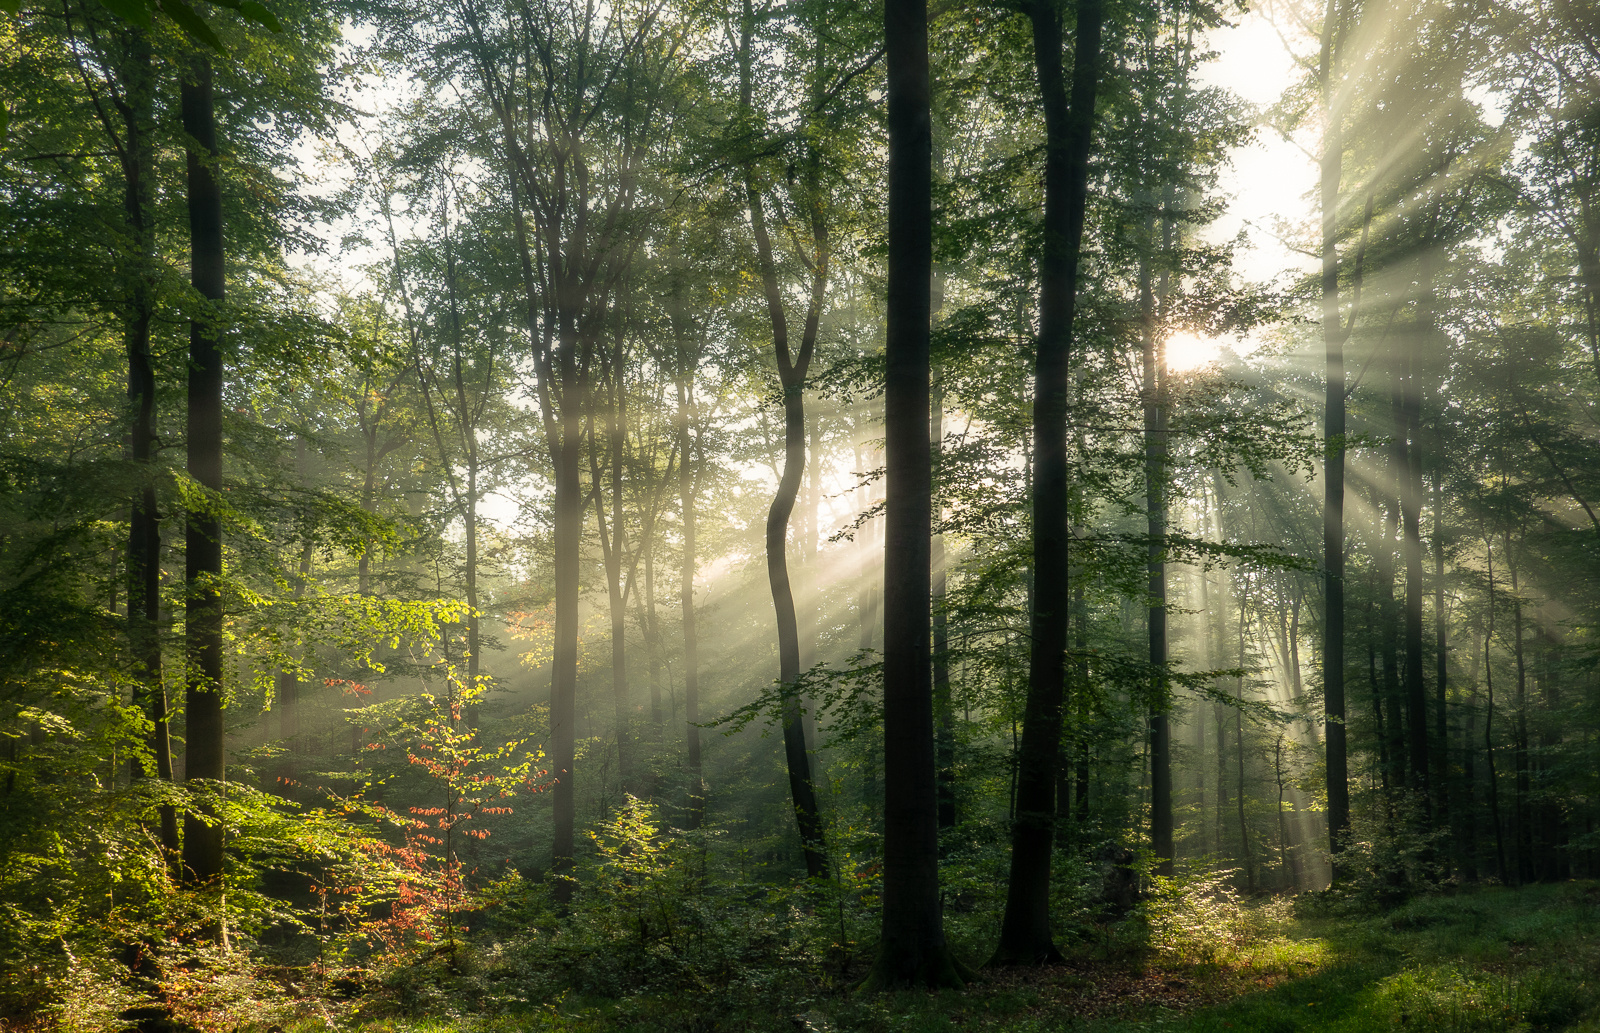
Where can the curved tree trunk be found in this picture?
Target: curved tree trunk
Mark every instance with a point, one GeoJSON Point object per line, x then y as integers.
{"type": "Point", "coordinates": [1025, 936]}
{"type": "Point", "coordinates": [792, 368]}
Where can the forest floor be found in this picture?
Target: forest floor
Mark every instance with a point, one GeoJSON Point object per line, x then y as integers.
{"type": "Point", "coordinates": [1489, 959]}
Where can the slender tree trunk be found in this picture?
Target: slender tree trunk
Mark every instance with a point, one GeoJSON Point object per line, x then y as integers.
{"type": "Point", "coordinates": [912, 950]}
{"type": "Point", "coordinates": [467, 424]}
{"type": "Point", "coordinates": [944, 710]}
{"type": "Point", "coordinates": [205, 753]}
{"type": "Point", "coordinates": [691, 660]}
{"type": "Point", "coordinates": [1238, 746]}
{"type": "Point", "coordinates": [1388, 642]}
{"type": "Point", "coordinates": [651, 626]}
{"type": "Point", "coordinates": [1155, 459]}
{"type": "Point", "coordinates": [1410, 473]}
{"type": "Point", "coordinates": [1025, 936]}
{"type": "Point", "coordinates": [1519, 729]}
{"type": "Point", "coordinates": [568, 535]}
{"type": "Point", "coordinates": [1488, 720]}
{"type": "Point", "coordinates": [792, 369]}
{"type": "Point", "coordinates": [808, 605]}
{"type": "Point", "coordinates": [1080, 778]}
{"type": "Point", "coordinates": [1441, 649]}
{"type": "Point", "coordinates": [1285, 868]}
{"type": "Point", "coordinates": [611, 544]}
{"type": "Point", "coordinates": [1333, 433]}
{"type": "Point", "coordinates": [143, 566]}
{"type": "Point", "coordinates": [1467, 827]}
{"type": "Point", "coordinates": [287, 692]}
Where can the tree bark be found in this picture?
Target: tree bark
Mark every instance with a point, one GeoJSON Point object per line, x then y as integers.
{"type": "Point", "coordinates": [944, 709]}
{"type": "Point", "coordinates": [1025, 936]}
{"type": "Point", "coordinates": [204, 755]}
{"type": "Point", "coordinates": [1411, 524]}
{"type": "Point", "coordinates": [912, 949]}
{"type": "Point", "coordinates": [691, 660]}
{"type": "Point", "coordinates": [1155, 476]}
{"type": "Point", "coordinates": [792, 368]}
{"type": "Point", "coordinates": [1333, 432]}
{"type": "Point", "coordinates": [1519, 729]}
{"type": "Point", "coordinates": [143, 567]}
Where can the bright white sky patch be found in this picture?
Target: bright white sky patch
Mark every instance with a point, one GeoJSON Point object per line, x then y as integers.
{"type": "Point", "coordinates": [1187, 351]}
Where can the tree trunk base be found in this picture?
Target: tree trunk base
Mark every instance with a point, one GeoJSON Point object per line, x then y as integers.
{"type": "Point", "coordinates": [935, 969]}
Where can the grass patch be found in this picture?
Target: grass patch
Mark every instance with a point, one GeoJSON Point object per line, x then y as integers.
{"type": "Point", "coordinates": [1486, 960]}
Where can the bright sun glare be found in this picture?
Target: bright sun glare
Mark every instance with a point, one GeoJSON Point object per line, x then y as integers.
{"type": "Point", "coordinates": [1187, 351]}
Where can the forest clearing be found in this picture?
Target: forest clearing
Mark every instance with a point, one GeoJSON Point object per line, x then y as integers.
{"type": "Point", "coordinates": [799, 514]}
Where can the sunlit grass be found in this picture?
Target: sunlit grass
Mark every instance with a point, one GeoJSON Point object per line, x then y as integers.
{"type": "Point", "coordinates": [1490, 960]}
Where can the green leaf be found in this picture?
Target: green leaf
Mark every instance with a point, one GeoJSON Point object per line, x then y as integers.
{"type": "Point", "coordinates": [11, 6]}
{"type": "Point", "coordinates": [193, 24]}
{"type": "Point", "coordinates": [260, 14]}
{"type": "Point", "coordinates": [136, 12]}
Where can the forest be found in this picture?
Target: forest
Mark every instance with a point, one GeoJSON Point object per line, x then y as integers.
{"type": "Point", "coordinates": [799, 515]}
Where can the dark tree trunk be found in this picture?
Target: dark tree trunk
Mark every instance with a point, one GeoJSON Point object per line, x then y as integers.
{"type": "Point", "coordinates": [1522, 812]}
{"type": "Point", "coordinates": [1441, 646]}
{"type": "Point", "coordinates": [1409, 461]}
{"type": "Point", "coordinates": [912, 950]}
{"type": "Point", "coordinates": [1238, 745]}
{"type": "Point", "coordinates": [1155, 477]}
{"type": "Point", "coordinates": [1025, 936]}
{"type": "Point", "coordinates": [568, 534]}
{"type": "Point", "coordinates": [792, 369]}
{"type": "Point", "coordinates": [143, 567]}
{"type": "Point", "coordinates": [1388, 642]}
{"type": "Point", "coordinates": [943, 707]}
{"type": "Point", "coordinates": [286, 698]}
{"type": "Point", "coordinates": [1333, 432]}
{"type": "Point", "coordinates": [1488, 719]}
{"type": "Point", "coordinates": [205, 753]}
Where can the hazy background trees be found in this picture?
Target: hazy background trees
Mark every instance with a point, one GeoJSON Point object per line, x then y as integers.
{"type": "Point", "coordinates": [556, 482]}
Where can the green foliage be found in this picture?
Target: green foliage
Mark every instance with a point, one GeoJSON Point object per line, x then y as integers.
{"type": "Point", "coordinates": [1197, 916]}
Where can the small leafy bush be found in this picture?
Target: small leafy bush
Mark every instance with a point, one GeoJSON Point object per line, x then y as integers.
{"type": "Point", "coordinates": [1197, 915]}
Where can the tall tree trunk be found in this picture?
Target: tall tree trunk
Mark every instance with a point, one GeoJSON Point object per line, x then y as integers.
{"type": "Point", "coordinates": [1155, 477]}
{"type": "Point", "coordinates": [1410, 473]}
{"type": "Point", "coordinates": [1333, 433]}
{"type": "Point", "coordinates": [792, 369]}
{"type": "Point", "coordinates": [1519, 729]}
{"type": "Point", "coordinates": [467, 424]}
{"type": "Point", "coordinates": [205, 753]}
{"type": "Point", "coordinates": [612, 548]}
{"type": "Point", "coordinates": [1025, 936]}
{"type": "Point", "coordinates": [568, 536]}
{"type": "Point", "coordinates": [651, 627]}
{"type": "Point", "coordinates": [143, 566]}
{"type": "Point", "coordinates": [1467, 827]}
{"type": "Point", "coordinates": [1238, 745]}
{"type": "Point", "coordinates": [1080, 642]}
{"type": "Point", "coordinates": [1388, 639]}
{"type": "Point", "coordinates": [1488, 719]}
{"type": "Point", "coordinates": [912, 949]}
{"type": "Point", "coordinates": [943, 707]}
{"type": "Point", "coordinates": [691, 643]}
{"type": "Point", "coordinates": [1441, 649]}
{"type": "Point", "coordinates": [808, 606]}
